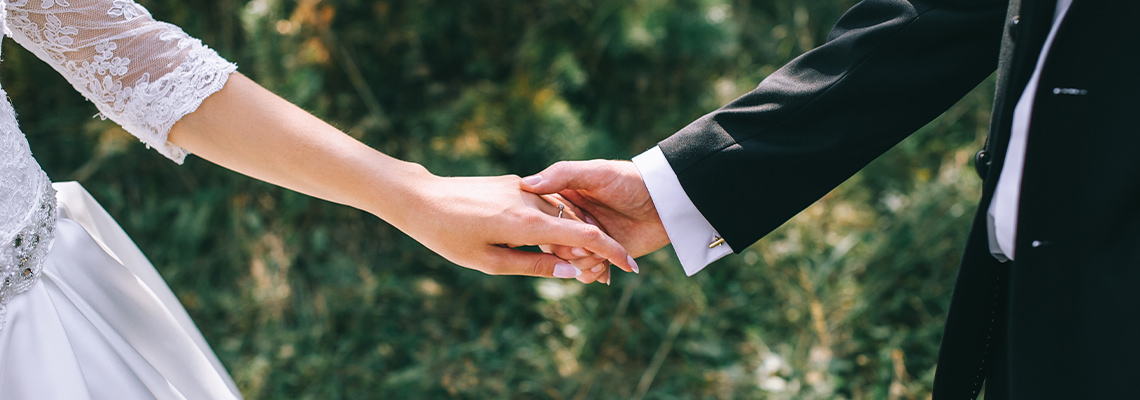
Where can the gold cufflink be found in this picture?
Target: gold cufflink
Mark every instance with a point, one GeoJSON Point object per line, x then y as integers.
{"type": "Point", "coordinates": [717, 241]}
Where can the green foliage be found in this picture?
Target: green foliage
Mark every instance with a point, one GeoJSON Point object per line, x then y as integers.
{"type": "Point", "coordinates": [305, 299]}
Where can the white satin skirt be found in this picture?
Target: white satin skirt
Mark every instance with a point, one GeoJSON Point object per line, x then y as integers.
{"type": "Point", "coordinates": [101, 323]}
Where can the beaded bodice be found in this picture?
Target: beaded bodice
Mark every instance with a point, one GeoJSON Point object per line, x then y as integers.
{"type": "Point", "coordinates": [143, 74]}
{"type": "Point", "coordinates": [27, 210]}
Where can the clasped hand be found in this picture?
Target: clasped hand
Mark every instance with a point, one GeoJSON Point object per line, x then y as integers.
{"type": "Point", "coordinates": [477, 222]}
{"type": "Point", "coordinates": [608, 219]}
{"type": "Point", "coordinates": [610, 195]}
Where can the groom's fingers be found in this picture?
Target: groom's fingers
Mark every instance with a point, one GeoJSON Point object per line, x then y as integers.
{"type": "Point", "coordinates": [506, 261]}
{"type": "Point", "coordinates": [593, 270]}
{"type": "Point", "coordinates": [567, 253]}
{"type": "Point", "coordinates": [592, 273]}
{"type": "Point", "coordinates": [581, 175]}
{"type": "Point", "coordinates": [586, 263]}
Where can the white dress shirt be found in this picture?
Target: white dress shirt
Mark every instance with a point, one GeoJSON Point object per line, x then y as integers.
{"type": "Point", "coordinates": [695, 240]}
{"type": "Point", "coordinates": [692, 235]}
{"type": "Point", "coordinates": [1002, 215]}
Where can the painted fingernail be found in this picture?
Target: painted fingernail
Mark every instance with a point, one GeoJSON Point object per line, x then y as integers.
{"type": "Point", "coordinates": [566, 271]}
{"type": "Point", "coordinates": [532, 180]}
{"type": "Point", "coordinates": [633, 264]}
{"type": "Point", "coordinates": [579, 252]}
{"type": "Point", "coordinates": [597, 268]}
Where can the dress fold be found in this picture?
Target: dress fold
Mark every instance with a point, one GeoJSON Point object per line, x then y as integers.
{"type": "Point", "coordinates": [101, 323]}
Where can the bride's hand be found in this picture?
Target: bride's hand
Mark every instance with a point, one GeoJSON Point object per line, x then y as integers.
{"type": "Point", "coordinates": [595, 268]}
{"type": "Point", "coordinates": [475, 222]}
{"type": "Point", "coordinates": [471, 221]}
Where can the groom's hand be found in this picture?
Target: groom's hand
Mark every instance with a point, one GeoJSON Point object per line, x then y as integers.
{"type": "Point", "coordinates": [476, 221]}
{"type": "Point", "coordinates": [613, 194]}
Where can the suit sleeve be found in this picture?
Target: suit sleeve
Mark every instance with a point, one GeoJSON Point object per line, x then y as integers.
{"type": "Point", "coordinates": [887, 68]}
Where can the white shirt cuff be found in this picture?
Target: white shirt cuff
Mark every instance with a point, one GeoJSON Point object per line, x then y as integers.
{"type": "Point", "coordinates": [688, 230]}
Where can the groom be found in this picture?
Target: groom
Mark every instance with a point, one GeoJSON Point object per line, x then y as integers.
{"type": "Point", "coordinates": [1047, 302]}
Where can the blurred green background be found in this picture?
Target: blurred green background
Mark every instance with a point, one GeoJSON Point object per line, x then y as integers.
{"type": "Point", "coordinates": [303, 299]}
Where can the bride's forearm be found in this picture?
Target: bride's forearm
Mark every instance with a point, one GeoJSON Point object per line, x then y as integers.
{"type": "Point", "coordinates": [248, 129]}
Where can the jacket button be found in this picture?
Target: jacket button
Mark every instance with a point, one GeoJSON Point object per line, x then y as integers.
{"type": "Point", "coordinates": [981, 163]}
{"type": "Point", "coordinates": [1014, 27]}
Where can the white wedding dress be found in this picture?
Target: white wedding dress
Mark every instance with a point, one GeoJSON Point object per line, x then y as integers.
{"type": "Point", "coordinates": [83, 314]}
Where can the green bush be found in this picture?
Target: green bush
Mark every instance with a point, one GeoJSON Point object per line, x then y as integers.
{"type": "Point", "coordinates": [305, 299]}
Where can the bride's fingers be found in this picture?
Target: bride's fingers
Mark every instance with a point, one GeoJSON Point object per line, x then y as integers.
{"type": "Point", "coordinates": [507, 261]}
{"type": "Point", "coordinates": [572, 208]}
{"type": "Point", "coordinates": [577, 234]}
{"type": "Point", "coordinates": [570, 232]}
{"type": "Point", "coordinates": [568, 210]}
{"type": "Point", "coordinates": [560, 208]}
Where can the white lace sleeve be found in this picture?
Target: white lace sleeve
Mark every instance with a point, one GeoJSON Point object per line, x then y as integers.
{"type": "Point", "coordinates": [143, 74]}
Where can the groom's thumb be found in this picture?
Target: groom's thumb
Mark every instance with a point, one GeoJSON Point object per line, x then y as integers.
{"type": "Point", "coordinates": [560, 176]}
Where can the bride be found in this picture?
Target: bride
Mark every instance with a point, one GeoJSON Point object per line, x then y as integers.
{"type": "Point", "coordinates": [84, 315]}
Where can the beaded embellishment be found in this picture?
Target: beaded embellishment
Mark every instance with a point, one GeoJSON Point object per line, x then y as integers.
{"type": "Point", "coordinates": [22, 255]}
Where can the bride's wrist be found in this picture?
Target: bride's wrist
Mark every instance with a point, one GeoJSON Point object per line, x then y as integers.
{"type": "Point", "coordinates": [394, 198]}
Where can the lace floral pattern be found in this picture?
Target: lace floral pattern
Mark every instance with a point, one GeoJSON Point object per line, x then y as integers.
{"type": "Point", "coordinates": [145, 88]}
{"type": "Point", "coordinates": [127, 10]}
{"type": "Point", "coordinates": [149, 109]}
{"type": "Point", "coordinates": [3, 18]}
{"type": "Point", "coordinates": [27, 211]}
{"type": "Point", "coordinates": [143, 74]}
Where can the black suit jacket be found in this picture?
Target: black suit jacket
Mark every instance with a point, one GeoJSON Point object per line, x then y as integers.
{"type": "Point", "coordinates": [1063, 321]}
